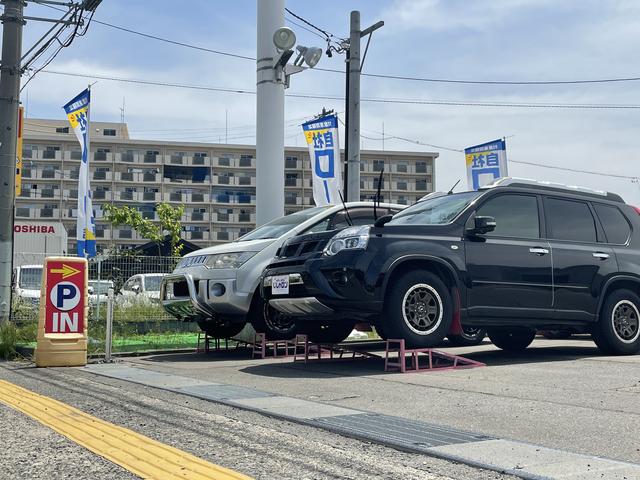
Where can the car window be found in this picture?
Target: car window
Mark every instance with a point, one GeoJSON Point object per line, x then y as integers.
{"type": "Point", "coordinates": [358, 217]}
{"type": "Point", "coordinates": [516, 215]}
{"type": "Point", "coordinates": [321, 226]}
{"type": "Point", "coordinates": [616, 227]}
{"type": "Point", "coordinates": [152, 284]}
{"type": "Point", "coordinates": [31, 278]}
{"type": "Point", "coordinates": [128, 285]}
{"type": "Point", "coordinates": [570, 220]}
{"type": "Point", "coordinates": [435, 211]}
{"type": "Point", "coordinates": [282, 225]}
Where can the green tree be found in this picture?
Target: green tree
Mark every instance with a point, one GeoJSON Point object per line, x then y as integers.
{"type": "Point", "coordinates": [170, 223]}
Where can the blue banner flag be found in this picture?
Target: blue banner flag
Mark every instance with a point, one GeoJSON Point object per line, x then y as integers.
{"type": "Point", "coordinates": [485, 163]}
{"type": "Point", "coordinates": [324, 149]}
{"type": "Point", "coordinates": [77, 111]}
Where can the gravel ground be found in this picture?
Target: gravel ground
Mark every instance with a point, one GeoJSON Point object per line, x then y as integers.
{"type": "Point", "coordinates": [253, 444]}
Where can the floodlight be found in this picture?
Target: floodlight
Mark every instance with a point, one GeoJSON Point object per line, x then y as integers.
{"type": "Point", "coordinates": [312, 56]}
{"type": "Point", "coordinates": [91, 5]}
{"type": "Point", "coordinates": [284, 38]}
{"type": "Point", "coordinates": [309, 55]}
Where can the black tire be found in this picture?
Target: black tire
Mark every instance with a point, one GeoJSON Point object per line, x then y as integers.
{"type": "Point", "coordinates": [470, 337]}
{"type": "Point", "coordinates": [618, 330]}
{"type": "Point", "coordinates": [220, 330]}
{"type": "Point", "coordinates": [326, 334]}
{"type": "Point", "coordinates": [515, 340]}
{"type": "Point", "coordinates": [265, 319]}
{"type": "Point", "coordinates": [379, 327]}
{"type": "Point", "coordinates": [418, 308]}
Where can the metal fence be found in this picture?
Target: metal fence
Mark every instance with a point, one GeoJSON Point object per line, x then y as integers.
{"type": "Point", "coordinates": [139, 321]}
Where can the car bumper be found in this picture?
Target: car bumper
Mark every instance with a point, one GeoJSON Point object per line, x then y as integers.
{"type": "Point", "coordinates": [188, 297]}
{"type": "Point", "coordinates": [316, 289]}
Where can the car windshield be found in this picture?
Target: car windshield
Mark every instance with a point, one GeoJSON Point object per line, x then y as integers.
{"type": "Point", "coordinates": [102, 287]}
{"type": "Point", "coordinates": [31, 278]}
{"type": "Point", "coordinates": [152, 284]}
{"type": "Point", "coordinates": [282, 225]}
{"type": "Point", "coordinates": [435, 211]}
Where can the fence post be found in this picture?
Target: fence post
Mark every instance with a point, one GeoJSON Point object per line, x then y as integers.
{"type": "Point", "coordinates": [99, 288]}
{"type": "Point", "coordinates": [109, 329]}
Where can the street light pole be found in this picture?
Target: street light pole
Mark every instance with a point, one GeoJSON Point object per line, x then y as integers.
{"type": "Point", "coordinates": [12, 21]}
{"type": "Point", "coordinates": [269, 116]}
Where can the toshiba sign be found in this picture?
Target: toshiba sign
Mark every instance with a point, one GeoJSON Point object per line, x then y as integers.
{"type": "Point", "coordinates": [34, 229]}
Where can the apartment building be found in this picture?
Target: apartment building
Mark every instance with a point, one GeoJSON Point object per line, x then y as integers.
{"type": "Point", "coordinates": [215, 182]}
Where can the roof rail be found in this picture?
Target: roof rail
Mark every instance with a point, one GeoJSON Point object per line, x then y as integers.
{"type": "Point", "coordinates": [527, 182]}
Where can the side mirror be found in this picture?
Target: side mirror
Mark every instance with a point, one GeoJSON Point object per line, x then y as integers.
{"type": "Point", "coordinates": [482, 225]}
{"type": "Point", "coordinates": [383, 220]}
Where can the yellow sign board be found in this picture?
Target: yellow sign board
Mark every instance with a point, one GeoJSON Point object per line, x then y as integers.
{"type": "Point", "coordinates": [19, 152]}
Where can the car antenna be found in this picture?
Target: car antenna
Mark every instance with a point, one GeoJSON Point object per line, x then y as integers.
{"type": "Point", "coordinates": [376, 199]}
{"type": "Point", "coordinates": [452, 188]}
{"type": "Point", "coordinates": [346, 210]}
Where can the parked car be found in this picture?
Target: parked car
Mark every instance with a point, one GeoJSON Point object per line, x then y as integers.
{"type": "Point", "coordinates": [143, 286]}
{"type": "Point", "coordinates": [27, 283]}
{"type": "Point", "coordinates": [99, 289]}
{"type": "Point", "coordinates": [219, 286]}
{"type": "Point", "coordinates": [514, 257]}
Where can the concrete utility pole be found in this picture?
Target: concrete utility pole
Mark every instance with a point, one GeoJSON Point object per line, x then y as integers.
{"type": "Point", "coordinates": [269, 116]}
{"type": "Point", "coordinates": [352, 145]}
{"type": "Point", "coordinates": [13, 22]}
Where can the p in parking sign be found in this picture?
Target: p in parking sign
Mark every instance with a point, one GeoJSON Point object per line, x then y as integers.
{"type": "Point", "coordinates": [65, 297]}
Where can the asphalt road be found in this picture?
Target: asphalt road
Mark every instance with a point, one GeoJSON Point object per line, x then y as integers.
{"type": "Point", "coordinates": [561, 394]}
{"type": "Point", "coordinates": [248, 442]}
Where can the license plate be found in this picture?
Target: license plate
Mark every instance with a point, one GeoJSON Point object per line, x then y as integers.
{"type": "Point", "coordinates": [280, 285]}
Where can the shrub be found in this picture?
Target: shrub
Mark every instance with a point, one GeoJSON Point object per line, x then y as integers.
{"type": "Point", "coordinates": [8, 339]}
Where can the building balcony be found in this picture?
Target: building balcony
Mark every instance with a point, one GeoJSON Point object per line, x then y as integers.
{"type": "Point", "coordinates": [70, 194]}
{"type": "Point", "coordinates": [224, 162]}
{"type": "Point", "coordinates": [102, 176]}
{"type": "Point", "coordinates": [50, 154]}
{"type": "Point", "coordinates": [174, 197]}
{"type": "Point", "coordinates": [25, 212]}
{"type": "Point", "coordinates": [44, 174]}
{"type": "Point", "coordinates": [103, 234]}
{"type": "Point", "coordinates": [195, 217]}
{"type": "Point", "coordinates": [150, 158]}
{"type": "Point", "coordinates": [102, 195]}
{"type": "Point", "coordinates": [150, 196]}
{"type": "Point", "coordinates": [126, 177]}
{"type": "Point", "coordinates": [224, 180]}
{"type": "Point", "coordinates": [198, 197]}
{"type": "Point", "coordinates": [126, 157]}
{"type": "Point", "coordinates": [44, 213]}
{"type": "Point", "coordinates": [293, 182]}
{"type": "Point", "coordinates": [224, 236]}
{"type": "Point", "coordinates": [197, 235]}
{"type": "Point", "coordinates": [126, 196]}
{"type": "Point", "coordinates": [150, 177]}
{"type": "Point", "coordinates": [247, 218]}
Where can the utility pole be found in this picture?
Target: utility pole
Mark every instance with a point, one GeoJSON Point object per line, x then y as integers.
{"type": "Point", "coordinates": [269, 116]}
{"type": "Point", "coordinates": [355, 63]}
{"type": "Point", "coordinates": [12, 21]}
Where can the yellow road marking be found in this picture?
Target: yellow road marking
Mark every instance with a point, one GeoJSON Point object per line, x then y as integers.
{"type": "Point", "coordinates": [140, 455]}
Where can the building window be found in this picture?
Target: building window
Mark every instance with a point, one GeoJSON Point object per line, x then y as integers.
{"type": "Point", "coordinates": [109, 132]}
{"type": "Point", "coordinates": [378, 165]}
{"type": "Point", "coordinates": [421, 185]}
{"type": "Point", "coordinates": [376, 181]}
{"type": "Point", "coordinates": [62, 129]}
{"type": "Point", "coordinates": [224, 161]}
{"type": "Point", "coordinates": [291, 162]}
{"type": "Point", "coordinates": [245, 160]}
{"type": "Point", "coordinates": [402, 185]}
{"type": "Point", "coordinates": [402, 167]}
{"type": "Point", "coordinates": [421, 167]}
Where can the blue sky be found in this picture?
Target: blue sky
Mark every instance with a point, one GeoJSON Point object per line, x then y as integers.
{"type": "Point", "coordinates": [481, 40]}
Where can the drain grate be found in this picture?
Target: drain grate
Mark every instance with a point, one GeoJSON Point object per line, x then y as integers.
{"type": "Point", "coordinates": [400, 432]}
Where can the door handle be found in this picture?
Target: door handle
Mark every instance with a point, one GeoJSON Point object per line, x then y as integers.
{"type": "Point", "coordinates": [539, 251]}
{"type": "Point", "coordinates": [601, 255]}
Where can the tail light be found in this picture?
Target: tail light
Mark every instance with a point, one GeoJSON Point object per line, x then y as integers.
{"type": "Point", "coordinates": [637, 209]}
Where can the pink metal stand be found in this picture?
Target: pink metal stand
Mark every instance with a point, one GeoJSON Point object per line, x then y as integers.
{"type": "Point", "coordinates": [436, 360]}
{"type": "Point", "coordinates": [263, 348]}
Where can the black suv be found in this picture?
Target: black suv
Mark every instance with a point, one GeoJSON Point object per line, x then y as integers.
{"type": "Point", "coordinates": [513, 257]}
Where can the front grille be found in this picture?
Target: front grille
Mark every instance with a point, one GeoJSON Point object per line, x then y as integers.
{"type": "Point", "coordinates": [293, 250]}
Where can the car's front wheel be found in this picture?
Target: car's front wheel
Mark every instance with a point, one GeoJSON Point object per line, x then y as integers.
{"type": "Point", "coordinates": [512, 340]}
{"type": "Point", "coordinates": [418, 308]}
{"type": "Point", "coordinates": [618, 330]}
{"type": "Point", "coordinates": [220, 329]}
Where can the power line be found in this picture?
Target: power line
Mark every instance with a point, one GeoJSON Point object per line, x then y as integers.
{"type": "Point", "coordinates": [304, 28]}
{"type": "Point", "coordinates": [574, 170]}
{"type": "Point", "coordinates": [324, 32]}
{"type": "Point", "coordinates": [406, 101]}
{"type": "Point", "coordinates": [372, 75]}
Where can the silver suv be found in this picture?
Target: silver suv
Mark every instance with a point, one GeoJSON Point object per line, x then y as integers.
{"type": "Point", "coordinates": [218, 286]}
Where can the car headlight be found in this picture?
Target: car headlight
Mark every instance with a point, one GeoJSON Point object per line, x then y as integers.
{"type": "Point", "coordinates": [228, 260]}
{"type": "Point", "coordinates": [351, 238]}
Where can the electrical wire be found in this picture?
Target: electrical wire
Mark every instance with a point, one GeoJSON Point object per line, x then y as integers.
{"type": "Point", "coordinates": [376, 75]}
{"type": "Point", "coordinates": [574, 170]}
{"type": "Point", "coordinates": [457, 103]}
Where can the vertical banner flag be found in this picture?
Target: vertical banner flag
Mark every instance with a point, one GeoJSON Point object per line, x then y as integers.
{"type": "Point", "coordinates": [485, 163]}
{"type": "Point", "coordinates": [324, 149]}
{"type": "Point", "coordinates": [77, 111]}
{"type": "Point", "coordinates": [19, 152]}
